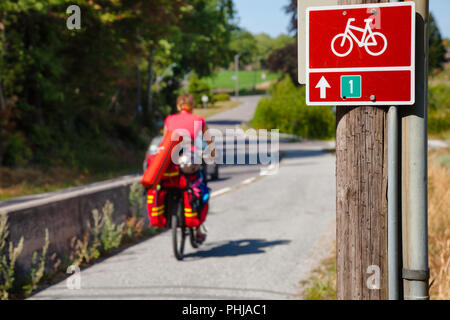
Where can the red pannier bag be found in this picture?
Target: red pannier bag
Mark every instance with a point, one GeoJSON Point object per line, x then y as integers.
{"type": "Point", "coordinates": [156, 208]}
{"type": "Point", "coordinates": [159, 162]}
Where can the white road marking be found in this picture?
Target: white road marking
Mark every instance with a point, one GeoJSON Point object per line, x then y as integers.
{"type": "Point", "coordinates": [248, 181]}
{"type": "Point", "coordinates": [219, 192]}
{"type": "Point", "coordinates": [269, 170]}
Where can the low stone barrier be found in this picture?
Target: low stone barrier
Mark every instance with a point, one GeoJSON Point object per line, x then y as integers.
{"type": "Point", "coordinates": [65, 214]}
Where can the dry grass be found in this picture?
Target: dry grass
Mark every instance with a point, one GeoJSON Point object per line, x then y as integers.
{"type": "Point", "coordinates": [441, 76]}
{"type": "Point", "coordinates": [15, 182]}
{"type": "Point", "coordinates": [265, 85]}
{"type": "Point", "coordinates": [439, 223]}
{"type": "Point", "coordinates": [216, 108]}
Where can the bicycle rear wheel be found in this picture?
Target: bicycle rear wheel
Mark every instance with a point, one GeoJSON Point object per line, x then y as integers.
{"type": "Point", "coordinates": [192, 238]}
{"type": "Point", "coordinates": [178, 231]}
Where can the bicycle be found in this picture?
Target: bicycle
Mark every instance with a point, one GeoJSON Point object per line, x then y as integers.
{"type": "Point", "coordinates": [175, 221]}
{"type": "Point", "coordinates": [368, 39]}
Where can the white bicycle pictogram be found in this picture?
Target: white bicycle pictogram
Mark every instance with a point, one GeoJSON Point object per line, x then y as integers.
{"type": "Point", "coordinates": [368, 40]}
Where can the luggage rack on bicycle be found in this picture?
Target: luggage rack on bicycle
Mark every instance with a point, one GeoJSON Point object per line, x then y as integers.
{"type": "Point", "coordinates": [174, 202]}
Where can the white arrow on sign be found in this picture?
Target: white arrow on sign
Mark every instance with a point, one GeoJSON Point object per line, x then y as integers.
{"type": "Point", "coordinates": [323, 85]}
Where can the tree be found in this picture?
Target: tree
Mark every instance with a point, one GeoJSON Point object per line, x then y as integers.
{"type": "Point", "coordinates": [266, 45]}
{"type": "Point", "coordinates": [291, 9]}
{"type": "Point", "coordinates": [154, 21]}
{"type": "Point", "coordinates": [203, 40]}
{"type": "Point", "coordinates": [285, 60]}
{"type": "Point", "coordinates": [199, 88]}
{"type": "Point", "coordinates": [436, 46]}
{"type": "Point", "coordinates": [69, 96]}
{"type": "Point", "coordinates": [244, 43]}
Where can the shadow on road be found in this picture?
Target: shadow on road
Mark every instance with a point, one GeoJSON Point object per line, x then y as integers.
{"type": "Point", "coordinates": [219, 179]}
{"type": "Point", "coordinates": [237, 248]}
{"type": "Point", "coordinates": [224, 123]}
{"type": "Point", "coordinates": [302, 153]}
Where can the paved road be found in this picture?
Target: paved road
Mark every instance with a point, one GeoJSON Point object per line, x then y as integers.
{"type": "Point", "coordinates": [260, 243]}
{"type": "Point", "coordinates": [231, 175]}
{"type": "Point", "coordinates": [263, 237]}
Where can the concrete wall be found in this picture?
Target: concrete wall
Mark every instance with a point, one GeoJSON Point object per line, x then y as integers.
{"type": "Point", "coordinates": [65, 215]}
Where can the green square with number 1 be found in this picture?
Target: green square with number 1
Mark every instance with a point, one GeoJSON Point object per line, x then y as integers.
{"type": "Point", "coordinates": [350, 87]}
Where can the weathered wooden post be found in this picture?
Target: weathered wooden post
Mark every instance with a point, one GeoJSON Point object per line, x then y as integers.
{"type": "Point", "coordinates": [361, 204]}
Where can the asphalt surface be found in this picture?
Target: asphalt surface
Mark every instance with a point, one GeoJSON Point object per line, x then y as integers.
{"type": "Point", "coordinates": [232, 175]}
{"type": "Point", "coordinates": [263, 235]}
{"type": "Point", "coordinates": [261, 242]}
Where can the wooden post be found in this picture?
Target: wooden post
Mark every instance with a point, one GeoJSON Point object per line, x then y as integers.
{"type": "Point", "coordinates": [361, 201]}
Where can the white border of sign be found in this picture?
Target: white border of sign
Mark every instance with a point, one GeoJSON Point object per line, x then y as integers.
{"type": "Point", "coordinates": [411, 68]}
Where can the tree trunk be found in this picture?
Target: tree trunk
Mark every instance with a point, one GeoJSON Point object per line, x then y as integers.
{"type": "Point", "coordinates": [2, 98]}
{"type": "Point", "coordinates": [139, 89]}
{"type": "Point", "coordinates": [150, 84]}
{"type": "Point", "coordinates": [361, 199]}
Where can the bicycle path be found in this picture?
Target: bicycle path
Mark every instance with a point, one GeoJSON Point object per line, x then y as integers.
{"type": "Point", "coordinates": [262, 240]}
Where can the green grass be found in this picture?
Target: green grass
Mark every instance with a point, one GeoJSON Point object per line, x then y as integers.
{"type": "Point", "coordinates": [321, 285]}
{"type": "Point", "coordinates": [439, 104]}
{"type": "Point", "coordinates": [247, 79]}
{"type": "Point", "coordinates": [439, 112]}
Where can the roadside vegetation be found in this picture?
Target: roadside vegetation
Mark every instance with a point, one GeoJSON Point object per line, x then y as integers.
{"type": "Point", "coordinates": [321, 284]}
{"type": "Point", "coordinates": [287, 111]}
{"type": "Point", "coordinates": [9, 253]}
{"type": "Point", "coordinates": [439, 104]}
{"type": "Point", "coordinates": [439, 84]}
{"type": "Point", "coordinates": [89, 100]}
{"type": "Point", "coordinates": [439, 222]}
{"type": "Point", "coordinates": [103, 239]}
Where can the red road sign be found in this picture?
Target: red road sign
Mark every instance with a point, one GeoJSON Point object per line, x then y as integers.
{"type": "Point", "coordinates": [361, 54]}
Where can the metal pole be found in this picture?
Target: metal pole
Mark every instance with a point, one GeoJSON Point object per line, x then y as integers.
{"type": "Point", "coordinates": [414, 172]}
{"type": "Point", "coordinates": [393, 214]}
{"type": "Point", "coordinates": [236, 65]}
{"type": "Point", "coordinates": [393, 197]}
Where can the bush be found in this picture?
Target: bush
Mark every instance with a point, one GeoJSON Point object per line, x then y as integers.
{"type": "Point", "coordinates": [8, 257]}
{"type": "Point", "coordinates": [438, 97]}
{"type": "Point", "coordinates": [439, 122]}
{"type": "Point", "coordinates": [198, 88]}
{"type": "Point", "coordinates": [286, 110]}
{"type": "Point", "coordinates": [16, 152]}
{"type": "Point", "coordinates": [439, 109]}
{"type": "Point", "coordinates": [222, 97]}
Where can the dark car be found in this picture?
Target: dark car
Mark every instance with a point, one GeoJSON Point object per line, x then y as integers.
{"type": "Point", "coordinates": [211, 171]}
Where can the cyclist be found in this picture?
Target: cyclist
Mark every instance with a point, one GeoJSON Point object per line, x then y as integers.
{"type": "Point", "coordinates": [186, 123]}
